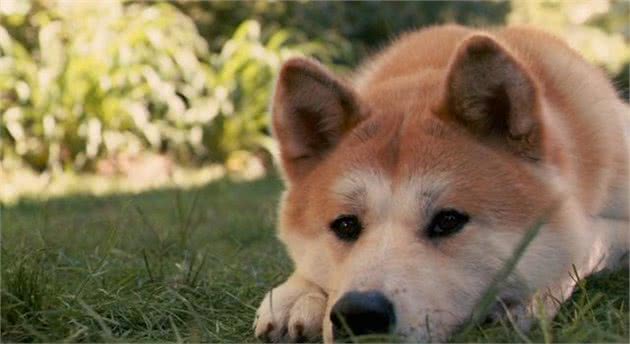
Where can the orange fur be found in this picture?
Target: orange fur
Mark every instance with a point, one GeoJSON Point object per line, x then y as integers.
{"type": "Point", "coordinates": [508, 125]}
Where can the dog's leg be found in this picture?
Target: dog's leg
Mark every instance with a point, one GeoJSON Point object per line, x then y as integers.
{"type": "Point", "coordinates": [543, 305]}
{"type": "Point", "coordinates": [609, 251]}
{"type": "Point", "coordinates": [616, 241]}
{"type": "Point", "coordinates": [291, 312]}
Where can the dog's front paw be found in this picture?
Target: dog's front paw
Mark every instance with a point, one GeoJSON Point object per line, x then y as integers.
{"type": "Point", "coordinates": [526, 312]}
{"type": "Point", "coordinates": [292, 312]}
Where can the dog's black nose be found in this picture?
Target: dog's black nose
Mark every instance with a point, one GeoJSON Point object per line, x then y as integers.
{"type": "Point", "coordinates": [362, 313]}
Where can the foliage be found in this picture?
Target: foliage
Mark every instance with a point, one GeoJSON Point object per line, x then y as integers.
{"type": "Point", "coordinates": [103, 78]}
{"type": "Point", "coordinates": [596, 28]}
{"type": "Point", "coordinates": [87, 81]}
{"type": "Point", "coordinates": [353, 29]}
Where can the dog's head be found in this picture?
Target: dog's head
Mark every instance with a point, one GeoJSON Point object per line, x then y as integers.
{"type": "Point", "coordinates": [406, 198]}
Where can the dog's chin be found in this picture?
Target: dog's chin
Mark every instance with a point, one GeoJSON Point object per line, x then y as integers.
{"type": "Point", "coordinates": [421, 337]}
{"type": "Point", "coordinates": [505, 309]}
{"type": "Point", "coordinates": [510, 309]}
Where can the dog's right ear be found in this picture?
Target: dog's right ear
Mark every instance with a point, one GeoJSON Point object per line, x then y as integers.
{"type": "Point", "coordinates": [312, 110]}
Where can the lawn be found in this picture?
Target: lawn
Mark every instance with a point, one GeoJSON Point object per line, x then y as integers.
{"type": "Point", "coordinates": [192, 265]}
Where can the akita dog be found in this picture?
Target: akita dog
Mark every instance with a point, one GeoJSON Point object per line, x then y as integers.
{"type": "Point", "coordinates": [410, 186]}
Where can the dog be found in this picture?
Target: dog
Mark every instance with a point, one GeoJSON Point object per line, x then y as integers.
{"type": "Point", "coordinates": [410, 185]}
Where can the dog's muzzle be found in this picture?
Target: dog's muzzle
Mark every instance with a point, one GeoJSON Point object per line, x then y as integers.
{"type": "Point", "coordinates": [359, 313]}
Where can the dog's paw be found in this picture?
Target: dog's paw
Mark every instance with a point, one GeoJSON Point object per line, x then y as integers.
{"type": "Point", "coordinates": [517, 313]}
{"type": "Point", "coordinates": [523, 314]}
{"type": "Point", "coordinates": [292, 312]}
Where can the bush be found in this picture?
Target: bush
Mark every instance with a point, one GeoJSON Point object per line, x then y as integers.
{"type": "Point", "coordinates": [354, 29]}
{"type": "Point", "coordinates": [83, 81]}
{"type": "Point", "coordinates": [91, 80]}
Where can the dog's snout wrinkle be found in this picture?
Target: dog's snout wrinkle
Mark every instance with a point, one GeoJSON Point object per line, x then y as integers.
{"type": "Point", "coordinates": [359, 313]}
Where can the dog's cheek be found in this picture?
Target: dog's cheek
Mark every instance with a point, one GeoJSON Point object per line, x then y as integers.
{"type": "Point", "coordinates": [545, 260]}
{"type": "Point", "coordinates": [561, 244]}
{"type": "Point", "coordinates": [304, 240]}
{"type": "Point", "coordinates": [311, 257]}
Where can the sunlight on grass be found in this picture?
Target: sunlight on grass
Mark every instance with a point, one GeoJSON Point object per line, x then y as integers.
{"type": "Point", "coordinates": [27, 184]}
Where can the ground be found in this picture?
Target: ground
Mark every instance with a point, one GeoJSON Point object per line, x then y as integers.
{"type": "Point", "coordinates": [192, 265]}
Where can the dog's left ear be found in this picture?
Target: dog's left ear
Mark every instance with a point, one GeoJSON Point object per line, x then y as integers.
{"type": "Point", "coordinates": [489, 92]}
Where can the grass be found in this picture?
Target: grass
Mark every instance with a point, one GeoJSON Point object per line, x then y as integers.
{"type": "Point", "coordinates": [174, 265]}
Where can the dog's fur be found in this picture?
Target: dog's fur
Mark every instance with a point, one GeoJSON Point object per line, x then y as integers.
{"type": "Point", "coordinates": [509, 125]}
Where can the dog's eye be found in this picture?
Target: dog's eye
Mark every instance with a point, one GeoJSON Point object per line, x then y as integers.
{"type": "Point", "coordinates": [447, 222]}
{"type": "Point", "coordinates": [347, 227]}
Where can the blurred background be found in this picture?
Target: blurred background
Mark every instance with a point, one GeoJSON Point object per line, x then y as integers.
{"type": "Point", "coordinates": [110, 96]}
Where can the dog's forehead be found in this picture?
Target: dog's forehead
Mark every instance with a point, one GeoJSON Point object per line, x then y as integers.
{"type": "Point", "coordinates": [397, 156]}
{"type": "Point", "coordinates": [418, 166]}
{"type": "Point", "coordinates": [378, 190]}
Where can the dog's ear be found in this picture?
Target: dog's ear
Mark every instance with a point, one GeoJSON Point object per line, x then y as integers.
{"type": "Point", "coordinates": [312, 110]}
{"type": "Point", "coordinates": [490, 93]}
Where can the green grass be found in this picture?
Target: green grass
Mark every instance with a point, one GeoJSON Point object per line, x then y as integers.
{"type": "Point", "coordinates": [192, 265]}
